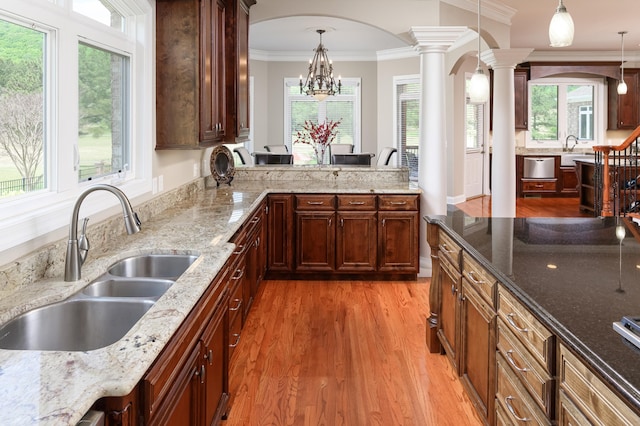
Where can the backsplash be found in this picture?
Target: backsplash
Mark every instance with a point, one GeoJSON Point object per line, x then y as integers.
{"type": "Point", "coordinates": [48, 261]}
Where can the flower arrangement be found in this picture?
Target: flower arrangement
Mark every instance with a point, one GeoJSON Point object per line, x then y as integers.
{"type": "Point", "coordinates": [319, 136]}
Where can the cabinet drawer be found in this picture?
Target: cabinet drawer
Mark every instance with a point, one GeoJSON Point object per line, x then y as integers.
{"type": "Point", "coordinates": [398, 202]}
{"type": "Point", "coordinates": [534, 377]}
{"type": "Point", "coordinates": [536, 338]}
{"type": "Point", "coordinates": [449, 249]}
{"type": "Point", "coordinates": [481, 280]}
{"type": "Point", "coordinates": [594, 399]}
{"type": "Point", "coordinates": [356, 202]}
{"type": "Point", "coordinates": [235, 302]}
{"type": "Point", "coordinates": [538, 185]}
{"type": "Point", "coordinates": [315, 202]}
{"type": "Point", "coordinates": [518, 406]}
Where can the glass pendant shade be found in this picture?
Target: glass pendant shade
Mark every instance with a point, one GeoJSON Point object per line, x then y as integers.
{"type": "Point", "coordinates": [479, 87]}
{"type": "Point", "coordinates": [561, 28]}
{"type": "Point", "coordinates": [622, 88]}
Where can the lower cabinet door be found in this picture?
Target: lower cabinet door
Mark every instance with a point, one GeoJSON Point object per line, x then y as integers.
{"type": "Point", "coordinates": [398, 241]}
{"type": "Point", "coordinates": [315, 241]}
{"type": "Point", "coordinates": [214, 361]}
{"type": "Point", "coordinates": [356, 248]}
{"type": "Point", "coordinates": [182, 404]}
{"type": "Point", "coordinates": [449, 311]}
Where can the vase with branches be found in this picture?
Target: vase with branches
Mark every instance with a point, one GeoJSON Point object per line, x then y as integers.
{"type": "Point", "coordinates": [318, 135]}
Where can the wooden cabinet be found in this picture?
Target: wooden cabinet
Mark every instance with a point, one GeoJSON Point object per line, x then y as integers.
{"type": "Point", "coordinates": [521, 97]}
{"type": "Point", "coordinates": [238, 70]}
{"type": "Point", "coordinates": [624, 112]}
{"type": "Point", "coordinates": [585, 173]}
{"type": "Point", "coordinates": [449, 310]}
{"type": "Point", "coordinates": [356, 234]}
{"type": "Point", "coordinates": [188, 381]}
{"type": "Point", "coordinates": [584, 395]}
{"type": "Point", "coordinates": [398, 233]}
{"type": "Point", "coordinates": [315, 233]}
{"type": "Point", "coordinates": [202, 77]}
{"type": "Point", "coordinates": [280, 237]}
{"type": "Point", "coordinates": [478, 336]}
{"type": "Point", "coordinates": [568, 181]}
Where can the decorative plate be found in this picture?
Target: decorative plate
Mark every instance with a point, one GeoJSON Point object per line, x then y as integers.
{"type": "Point", "coordinates": [222, 165]}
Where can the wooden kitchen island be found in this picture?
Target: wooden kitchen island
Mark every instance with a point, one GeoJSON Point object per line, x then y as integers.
{"type": "Point", "coordinates": [524, 309]}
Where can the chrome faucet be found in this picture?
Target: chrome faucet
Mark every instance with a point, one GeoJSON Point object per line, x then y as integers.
{"type": "Point", "coordinates": [78, 248]}
{"type": "Point", "coordinates": [566, 143]}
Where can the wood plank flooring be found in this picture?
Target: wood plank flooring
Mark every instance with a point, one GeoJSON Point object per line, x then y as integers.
{"type": "Point", "coordinates": [342, 353]}
{"type": "Point", "coordinates": [527, 207]}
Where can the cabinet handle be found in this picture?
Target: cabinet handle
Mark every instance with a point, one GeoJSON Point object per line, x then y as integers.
{"type": "Point", "coordinates": [315, 203]}
{"type": "Point", "coordinates": [398, 203]}
{"type": "Point", "coordinates": [356, 203]}
{"type": "Point", "coordinates": [200, 373]}
{"type": "Point", "coordinates": [241, 247]}
{"type": "Point", "coordinates": [255, 219]}
{"type": "Point", "coordinates": [453, 289]}
{"type": "Point", "coordinates": [209, 356]}
{"type": "Point", "coordinates": [240, 273]}
{"type": "Point", "coordinates": [384, 222]}
{"type": "Point", "coordinates": [510, 319]}
{"type": "Point", "coordinates": [342, 222]}
{"type": "Point", "coordinates": [237, 336]}
{"type": "Point", "coordinates": [258, 242]}
{"type": "Point", "coordinates": [329, 222]}
{"type": "Point", "coordinates": [238, 305]}
{"type": "Point", "coordinates": [473, 278]}
{"type": "Point", "coordinates": [512, 410]}
{"type": "Point", "coordinates": [513, 362]}
{"type": "Point", "coordinates": [444, 248]}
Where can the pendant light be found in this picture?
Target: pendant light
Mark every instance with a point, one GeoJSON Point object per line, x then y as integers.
{"type": "Point", "coordinates": [622, 86]}
{"type": "Point", "coordinates": [561, 28]}
{"type": "Point", "coordinates": [479, 84]}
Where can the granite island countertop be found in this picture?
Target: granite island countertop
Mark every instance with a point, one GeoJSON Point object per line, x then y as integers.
{"type": "Point", "coordinates": [574, 273]}
{"type": "Point", "coordinates": [58, 388]}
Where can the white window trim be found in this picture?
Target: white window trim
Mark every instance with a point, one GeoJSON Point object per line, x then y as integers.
{"type": "Point", "coordinates": [398, 80]}
{"type": "Point", "coordinates": [33, 216]}
{"type": "Point", "coordinates": [357, 113]}
{"type": "Point", "coordinates": [599, 117]}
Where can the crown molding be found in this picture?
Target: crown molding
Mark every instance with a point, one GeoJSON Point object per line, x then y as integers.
{"type": "Point", "coordinates": [490, 9]}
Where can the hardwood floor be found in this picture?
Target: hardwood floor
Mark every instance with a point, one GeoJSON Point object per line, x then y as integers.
{"type": "Point", "coordinates": [527, 207]}
{"type": "Point", "coordinates": [342, 353]}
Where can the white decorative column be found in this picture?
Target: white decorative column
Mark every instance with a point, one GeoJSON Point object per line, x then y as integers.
{"type": "Point", "coordinates": [432, 43]}
{"type": "Point", "coordinates": [503, 167]}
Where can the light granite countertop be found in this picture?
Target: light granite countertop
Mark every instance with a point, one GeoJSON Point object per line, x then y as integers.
{"type": "Point", "coordinates": [58, 388]}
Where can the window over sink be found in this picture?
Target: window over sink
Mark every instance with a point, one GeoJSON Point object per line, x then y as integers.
{"type": "Point", "coordinates": [563, 107]}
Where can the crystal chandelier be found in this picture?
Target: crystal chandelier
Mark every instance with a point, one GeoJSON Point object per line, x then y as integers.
{"type": "Point", "coordinates": [320, 82]}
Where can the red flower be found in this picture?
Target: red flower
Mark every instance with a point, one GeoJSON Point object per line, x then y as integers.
{"type": "Point", "coordinates": [318, 134]}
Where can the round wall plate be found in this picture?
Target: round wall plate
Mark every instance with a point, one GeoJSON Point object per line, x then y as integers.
{"type": "Point", "coordinates": [222, 165]}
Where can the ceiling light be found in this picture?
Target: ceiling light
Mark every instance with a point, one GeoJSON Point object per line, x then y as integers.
{"type": "Point", "coordinates": [320, 82]}
{"type": "Point", "coordinates": [622, 86]}
{"type": "Point", "coordinates": [561, 27]}
{"type": "Point", "coordinates": [479, 84]}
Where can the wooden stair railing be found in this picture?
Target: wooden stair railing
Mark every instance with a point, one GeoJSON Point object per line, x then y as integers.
{"type": "Point", "coordinates": [616, 166]}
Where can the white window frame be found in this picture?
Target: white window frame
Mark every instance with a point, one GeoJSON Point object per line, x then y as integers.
{"type": "Point", "coordinates": [599, 112]}
{"type": "Point", "coordinates": [397, 81]}
{"type": "Point", "coordinates": [34, 215]}
{"type": "Point", "coordinates": [357, 108]}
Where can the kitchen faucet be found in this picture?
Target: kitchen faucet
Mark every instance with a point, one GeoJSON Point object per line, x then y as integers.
{"type": "Point", "coordinates": [566, 143]}
{"type": "Point", "coordinates": [78, 248]}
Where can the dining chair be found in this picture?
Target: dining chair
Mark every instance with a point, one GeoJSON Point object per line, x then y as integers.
{"type": "Point", "coordinates": [363, 159]}
{"type": "Point", "coordinates": [263, 158]}
{"type": "Point", "coordinates": [244, 155]}
{"type": "Point", "coordinates": [385, 155]}
{"type": "Point", "coordinates": [340, 148]}
{"type": "Point", "coordinates": [277, 149]}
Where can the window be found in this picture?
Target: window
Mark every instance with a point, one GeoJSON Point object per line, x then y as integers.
{"type": "Point", "coordinates": [563, 107]}
{"type": "Point", "coordinates": [474, 124]}
{"type": "Point", "coordinates": [407, 122]}
{"type": "Point", "coordinates": [300, 107]}
{"type": "Point", "coordinates": [84, 97]}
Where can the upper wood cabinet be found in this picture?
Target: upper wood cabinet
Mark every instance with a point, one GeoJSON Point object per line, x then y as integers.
{"type": "Point", "coordinates": [202, 78]}
{"type": "Point", "coordinates": [237, 69]}
{"type": "Point", "coordinates": [624, 112]}
{"type": "Point", "coordinates": [521, 97]}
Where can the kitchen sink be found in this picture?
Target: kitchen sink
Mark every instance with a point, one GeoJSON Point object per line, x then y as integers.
{"type": "Point", "coordinates": [153, 266]}
{"type": "Point", "coordinates": [128, 287]}
{"type": "Point", "coordinates": [73, 325]}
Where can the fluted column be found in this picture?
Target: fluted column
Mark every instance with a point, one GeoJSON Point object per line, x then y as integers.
{"type": "Point", "coordinates": [503, 167]}
{"type": "Point", "coordinates": [432, 43]}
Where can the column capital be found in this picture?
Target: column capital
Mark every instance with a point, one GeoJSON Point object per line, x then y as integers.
{"type": "Point", "coordinates": [504, 58]}
{"type": "Point", "coordinates": [436, 38]}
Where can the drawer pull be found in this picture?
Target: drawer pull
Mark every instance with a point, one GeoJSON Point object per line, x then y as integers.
{"type": "Point", "coordinates": [209, 357]}
{"type": "Point", "coordinates": [453, 289]}
{"type": "Point", "coordinates": [315, 203]}
{"type": "Point", "coordinates": [444, 248]}
{"type": "Point", "coordinates": [238, 305]}
{"type": "Point", "coordinates": [513, 362]}
{"type": "Point", "coordinates": [255, 219]}
{"type": "Point", "coordinates": [200, 373]}
{"type": "Point", "coordinates": [356, 203]}
{"type": "Point", "coordinates": [512, 410]}
{"type": "Point", "coordinates": [472, 277]}
{"type": "Point", "coordinates": [237, 336]}
{"type": "Point", "coordinates": [510, 319]}
{"type": "Point", "coordinates": [240, 249]}
{"type": "Point", "coordinates": [239, 274]}
{"type": "Point", "coordinates": [398, 203]}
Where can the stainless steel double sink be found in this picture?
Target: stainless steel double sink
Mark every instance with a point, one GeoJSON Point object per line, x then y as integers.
{"type": "Point", "coordinates": [101, 313]}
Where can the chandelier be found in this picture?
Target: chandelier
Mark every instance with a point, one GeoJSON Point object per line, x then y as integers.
{"type": "Point", "coordinates": [320, 82]}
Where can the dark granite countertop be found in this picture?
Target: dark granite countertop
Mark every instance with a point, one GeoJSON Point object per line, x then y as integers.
{"type": "Point", "coordinates": [574, 273]}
